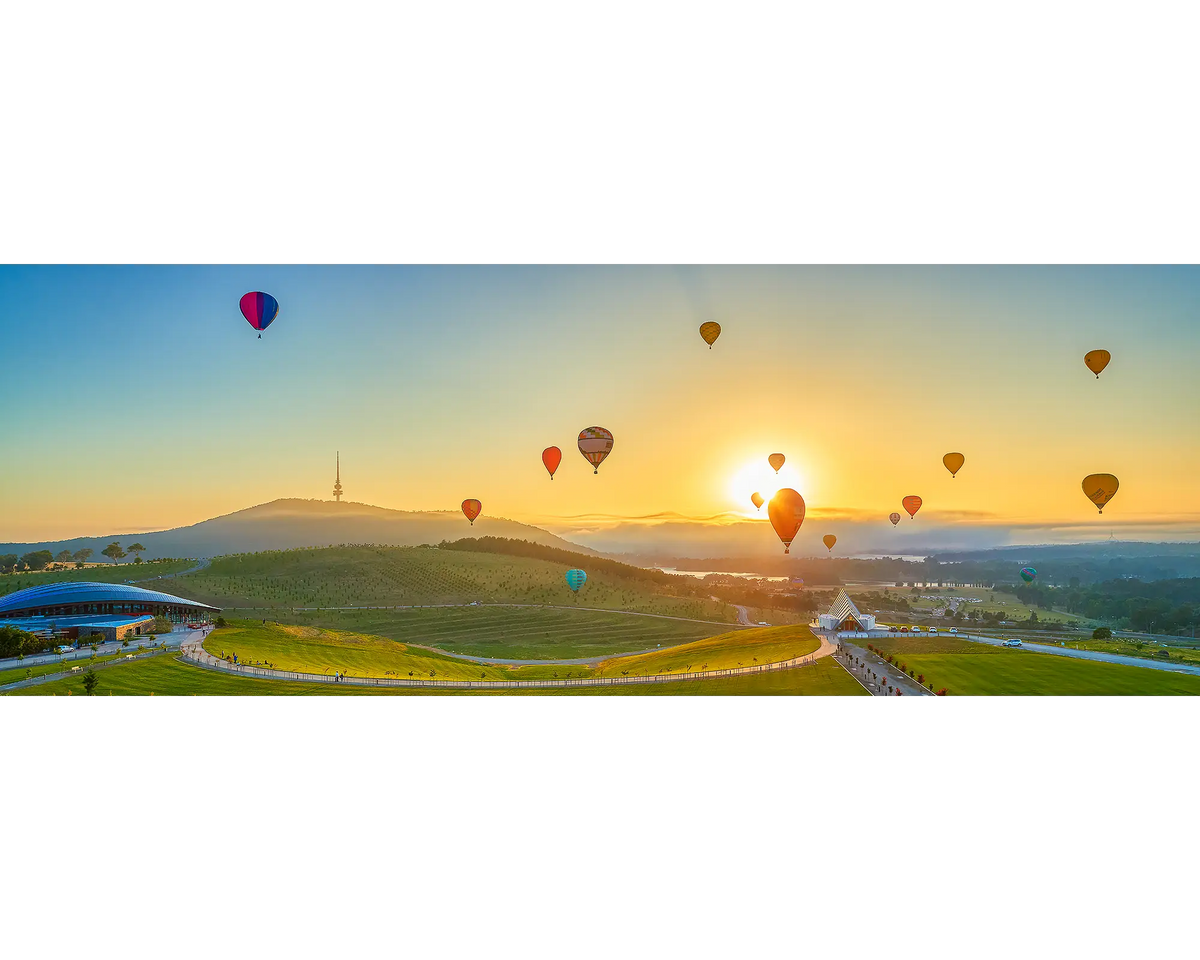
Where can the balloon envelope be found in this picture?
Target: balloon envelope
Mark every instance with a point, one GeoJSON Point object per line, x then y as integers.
{"type": "Point", "coordinates": [1100, 488]}
{"type": "Point", "coordinates": [551, 457]}
{"type": "Point", "coordinates": [1097, 360]}
{"type": "Point", "coordinates": [472, 509]}
{"type": "Point", "coordinates": [786, 511]}
{"type": "Point", "coordinates": [595, 443]}
{"type": "Point", "coordinates": [575, 579]}
{"type": "Point", "coordinates": [710, 331]}
{"type": "Point", "coordinates": [829, 540]}
{"type": "Point", "coordinates": [776, 460]}
{"type": "Point", "coordinates": [259, 309]}
{"type": "Point", "coordinates": [1028, 574]}
{"type": "Point", "coordinates": [911, 504]}
{"type": "Point", "coordinates": [757, 499]}
{"type": "Point", "coordinates": [954, 462]}
{"type": "Point", "coordinates": [894, 517]}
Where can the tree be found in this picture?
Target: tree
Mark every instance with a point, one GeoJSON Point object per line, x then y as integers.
{"type": "Point", "coordinates": [8, 562]}
{"type": "Point", "coordinates": [1102, 633]}
{"type": "Point", "coordinates": [82, 556]}
{"type": "Point", "coordinates": [136, 550]}
{"type": "Point", "coordinates": [89, 682]}
{"type": "Point", "coordinates": [64, 556]}
{"type": "Point", "coordinates": [37, 560]}
{"type": "Point", "coordinates": [113, 551]}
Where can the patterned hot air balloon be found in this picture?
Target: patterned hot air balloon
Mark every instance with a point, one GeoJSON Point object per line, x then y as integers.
{"type": "Point", "coordinates": [829, 540]}
{"type": "Point", "coordinates": [710, 331]}
{"type": "Point", "coordinates": [776, 460]}
{"type": "Point", "coordinates": [1100, 488]}
{"type": "Point", "coordinates": [786, 511]}
{"type": "Point", "coordinates": [954, 462]}
{"type": "Point", "coordinates": [472, 509]}
{"type": "Point", "coordinates": [259, 309]}
{"type": "Point", "coordinates": [894, 517]}
{"type": "Point", "coordinates": [1028, 574]}
{"type": "Point", "coordinates": [1097, 360]}
{"type": "Point", "coordinates": [575, 579]}
{"type": "Point", "coordinates": [551, 457]}
{"type": "Point", "coordinates": [756, 498]}
{"type": "Point", "coordinates": [595, 443]}
{"type": "Point", "coordinates": [912, 505]}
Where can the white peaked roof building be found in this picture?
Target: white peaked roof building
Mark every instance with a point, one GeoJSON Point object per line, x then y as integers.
{"type": "Point", "coordinates": [844, 615]}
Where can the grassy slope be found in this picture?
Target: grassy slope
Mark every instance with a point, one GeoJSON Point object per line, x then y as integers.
{"type": "Point", "coordinates": [386, 576]}
{"type": "Point", "coordinates": [972, 669]}
{"type": "Point", "coordinates": [11, 582]}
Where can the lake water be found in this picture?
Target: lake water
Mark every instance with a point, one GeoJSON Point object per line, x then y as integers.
{"type": "Point", "coordinates": [701, 574]}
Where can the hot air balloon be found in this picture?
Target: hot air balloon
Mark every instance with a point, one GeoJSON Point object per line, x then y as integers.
{"type": "Point", "coordinates": [1097, 360]}
{"type": "Point", "coordinates": [472, 509]}
{"type": "Point", "coordinates": [894, 517]}
{"type": "Point", "coordinates": [1028, 574]}
{"type": "Point", "coordinates": [710, 331]}
{"type": "Point", "coordinates": [829, 540]}
{"type": "Point", "coordinates": [1100, 488]}
{"type": "Point", "coordinates": [595, 443]}
{"type": "Point", "coordinates": [786, 511]}
{"type": "Point", "coordinates": [757, 499]}
{"type": "Point", "coordinates": [259, 309]}
{"type": "Point", "coordinates": [912, 505]}
{"type": "Point", "coordinates": [575, 579]}
{"type": "Point", "coordinates": [552, 457]}
{"type": "Point", "coordinates": [954, 462]}
{"type": "Point", "coordinates": [776, 460]}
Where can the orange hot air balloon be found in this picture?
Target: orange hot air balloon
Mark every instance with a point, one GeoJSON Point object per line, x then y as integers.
{"type": "Point", "coordinates": [757, 499]}
{"type": "Point", "coordinates": [786, 510]}
{"type": "Point", "coordinates": [894, 517]}
{"type": "Point", "coordinates": [710, 331]}
{"type": "Point", "coordinates": [829, 540]}
{"type": "Point", "coordinates": [552, 457]}
{"type": "Point", "coordinates": [595, 443]}
{"type": "Point", "coordinates": [776, 460]}
{"type": "Point", "coordinates": [954, 462]}
{"type": "Point", "coordinates": [1100, 488]}
{"type": "Point", "coordinates": [1097, 360]}
{"type": "Point", "coordinates": [912, 505]}
{"type": "Point", "coordinates": [472, 509]}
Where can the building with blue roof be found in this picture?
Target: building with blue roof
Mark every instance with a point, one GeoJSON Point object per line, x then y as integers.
{"type": "Point", "coordinates": [114, 610]}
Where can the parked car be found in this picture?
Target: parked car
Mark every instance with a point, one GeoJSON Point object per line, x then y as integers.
{"type": "Point", "coordinates": [916, 629]}
{"type": "Point", "coordinates": [904, 629]}
{"type": "Point", "coordinates": [1012, 642]}
{"type": "Point", "coordinates": [933, 631]}
{"type": "Point", "coordinates": [954, 630]}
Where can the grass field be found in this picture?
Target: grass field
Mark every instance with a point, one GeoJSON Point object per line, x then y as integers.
{"type": "Point", "coordinates": [967, 668]}
{"type": "Point", "coordinates": [387, 576]}
{"type": "Point", "coordinates": [315, 650]}
{"type": "Point", "coordinates": [167, 676]}
{"type": "Point", "coordinates": [11, 582]}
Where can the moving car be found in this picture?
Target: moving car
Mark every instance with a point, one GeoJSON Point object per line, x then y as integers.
{"type": "Point", "coordinates": [1012, 642]}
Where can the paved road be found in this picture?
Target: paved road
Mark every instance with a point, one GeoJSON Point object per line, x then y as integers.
{"type": "Point", "coordinates": [881, 669]}
{"type": "Point", "coordinates": [1089, 655]}
{"type": "Point", "coordinates": [173, 639]}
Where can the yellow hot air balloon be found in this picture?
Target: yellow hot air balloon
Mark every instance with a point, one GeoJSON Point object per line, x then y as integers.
{"type": "Point", "coordinates": [829, 540]}
{"type": "Point", "coordinates": [776, 460]}
{"type": "Point", "coordinates": [710, 331]}
{"type": "Point", "coordinates": [1097, 360]}
{"type": "Point", "coordinates": [1100, 488]}
{"type": "Point", "coordinates": [954, 462]}
{"type": "Point", "coordinates": [757, 499]}
{"type": "Point", "coordinates": [786, 510]}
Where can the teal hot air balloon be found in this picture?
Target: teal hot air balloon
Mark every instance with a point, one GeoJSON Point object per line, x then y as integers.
{"type": "Point", "coordinates": [576, 579]}
{"type": "Point", "coordinates": [1028, 574]}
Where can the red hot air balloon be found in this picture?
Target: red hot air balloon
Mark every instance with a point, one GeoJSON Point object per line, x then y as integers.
{"type": "Point", "coordinates": [259, 309]}
{"type": "Point", "coordinates": [472, 509]}
{"type": "Point", "coordinates": [912, 505]}
{"type": "Point", "coordinates": [552, 457]}
{"type": "Point", "coordinates": [595, 443]}
{"type": "Point", "coordinates": [894, 517]}
{"type": "Point", "coordinates": [786, 511]}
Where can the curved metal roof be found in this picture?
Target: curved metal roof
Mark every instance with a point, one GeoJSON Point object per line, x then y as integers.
{"type": "Point", "coordinates": [68, 592]}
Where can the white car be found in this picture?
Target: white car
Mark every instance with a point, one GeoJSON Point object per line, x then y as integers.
{"type": "Point", "coordinates": [763, 623]}
{"type": "Point", "coordinates": [1012, 642]}
{"type": "Point", "coordinates": [933, 631]}
{"type": "Point", "coordinates": [916, 629]}
{"type": "Point", "coordinates": [954, 630]}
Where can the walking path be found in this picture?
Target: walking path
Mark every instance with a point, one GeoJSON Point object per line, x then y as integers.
{"type": "Point", "coordinates": [882, 669]}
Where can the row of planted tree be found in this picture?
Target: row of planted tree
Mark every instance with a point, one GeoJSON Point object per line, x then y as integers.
{"type": "Point", "coordinates": [903, 668]}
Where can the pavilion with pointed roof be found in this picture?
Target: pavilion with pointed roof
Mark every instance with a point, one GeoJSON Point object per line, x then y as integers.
{"type": "Point", "coordinates": [844, 615]}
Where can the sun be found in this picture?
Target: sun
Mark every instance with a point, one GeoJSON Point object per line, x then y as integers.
{"type": "Point", "coordinates": [759, 477]}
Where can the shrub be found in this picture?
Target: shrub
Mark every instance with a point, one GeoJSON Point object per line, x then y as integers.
{"type": "Point", "coordinates": [921, 679]}
{"type": "Point", "coordinates": [942, 692]}
{"type": "Point", "coordinates": [1102, 633]}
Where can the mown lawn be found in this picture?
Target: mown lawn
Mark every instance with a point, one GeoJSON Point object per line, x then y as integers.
{"type": "Point", "coordinates": [967, 668]}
